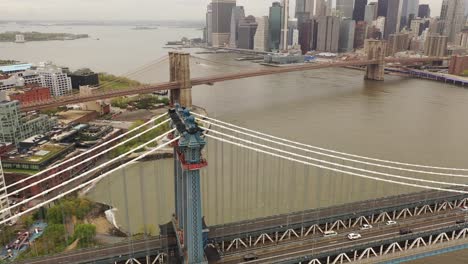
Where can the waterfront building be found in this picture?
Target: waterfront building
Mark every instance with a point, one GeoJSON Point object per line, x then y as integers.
{"type": "Point", "coordinates": [15, 127]}
{"type": "Point", "coordinates": [283, 58]}
{"type": "Point", "coordinates": [360, 34]}
{"type": "Point", "coordinates": [4, 203]}
{"type": "Point", "coordinates": [370, 13]}
{"type": "Point", "coordinates": [247, 30]}
{"type": "Point", "coordinates": [308, 35]}
{"type": "Point", "coordinates": [328, 33]}
{"type": "Point", "coordinates": [21, 79]}
{"type": "Point", "coordinates": [424, 11]}
{"type": "Point", "coordinates": [275, 23]}
{"type": "Point", "coordinates": [19, 38]}
{"type": "Point", "coordinates": [284, 25]}
{"type": "Point", "coordinates": [261, 35]}
{"type": "Point", "coordinates": [453, 16]}
{"type": "Point", "coordinates": [418, 26]}
{"type": "Point", "coordinates": [58, 82]}
{"type": "Point", "coordinates": [393, 17]}
{"type": "Point", "coordinates": [435, 45]}
{"type": "Point", "coordinates": [237, 15]}
{"type": "Point", "coordinates": [397, 42]}
{"type": "Point", "coordinates": [359, 11]}
{"type": "Point", "coordinates": [99, 106]}
{"type": "Point", "coordinates": [9, 69]}
{"type": "Point", "coordinates": [344, 8]}
{"type": "Point", "coordinates": [346, 38]}
{"type": "Point", "coordinates": [221, 21]}
{"type": "Point", "coordinates": [209, 25]}
{"type": "Point", "coordinates": [84, 77]}
{"type": "Point", "coordinates": [458, 65]}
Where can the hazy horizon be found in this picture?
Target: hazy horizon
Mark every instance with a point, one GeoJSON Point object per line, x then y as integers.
{"type": "Point", "coordinates": [125, 10]}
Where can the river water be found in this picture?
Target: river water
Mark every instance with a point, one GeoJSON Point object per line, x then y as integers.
{"type": "Point", "coordinates": [400, 119]}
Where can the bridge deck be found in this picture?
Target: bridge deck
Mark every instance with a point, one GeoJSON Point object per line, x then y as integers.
{"type": "Point", "coordinates": [324, 215]}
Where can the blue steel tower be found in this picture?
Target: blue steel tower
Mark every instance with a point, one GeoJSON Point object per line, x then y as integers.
{"type": "Point", "coordinates": [188, 218]}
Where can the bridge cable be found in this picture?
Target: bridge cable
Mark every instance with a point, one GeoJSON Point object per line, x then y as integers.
{"type": "Point", "coordinates": [333, 163]}
{"type": "Point", "coordinates": [337, 170]}
{"type": "Point", "coordinates": [202, 118]}
{"type": "Point", "coordinates": [102, 166]}
{"type": "Point", "coordinates": [107, 150]}
{"type": "Point", "coordinates": [81, 155]}
{"type": "Point", "coordinates": [97, 178]}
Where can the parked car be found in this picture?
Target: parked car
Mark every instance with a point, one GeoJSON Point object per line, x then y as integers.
{"type": "Point", "coordinates": [354, 236]}
{"type": "Point", "coordinates": [365, 227]}
{"type": "Point", "coordinates": [464, 208]}
{"type": "Point", "coordinates": [391, 222]}
{"type": "Point", "coordinates": [461, 221]}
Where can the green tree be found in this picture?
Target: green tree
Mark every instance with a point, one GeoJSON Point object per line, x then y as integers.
{"type": "Point", "coordinates": [85, 233]}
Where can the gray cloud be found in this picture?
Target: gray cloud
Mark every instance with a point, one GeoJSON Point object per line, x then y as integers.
{"type": "Point", "coordinates": [129, 9]}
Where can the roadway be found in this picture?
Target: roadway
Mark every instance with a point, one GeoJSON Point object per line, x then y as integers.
{"type": "Point", "coordinates": [102, 253]}
{"type": "Point", "coordinates": [340, 212]}
{"type": "Point", "coordinates": [299, 248]}
{"type": "Point", "coordinates": [74, 99]}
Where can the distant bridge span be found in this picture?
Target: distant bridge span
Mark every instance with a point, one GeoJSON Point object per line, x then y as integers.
{"type": "Point", "coordinates": [209, 80]}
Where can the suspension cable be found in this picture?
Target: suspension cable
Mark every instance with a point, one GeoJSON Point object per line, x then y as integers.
{"type": "Point", "coordinates": [338, 157]}
{"type": "Point", "coordinates": [328, 150]}
{"type": "Point", "coordinates": [91, 181]}
{"type": "Point", "coordinates": [86, 160]}
{"type": "Point", "coordinates": [64, 184]}
{"type": "Point", "coordinates": [84, 153]}
{"type": "Point", "coordinates": [333, 163]}
{"type": "Point", "coordinates": [337, 170]}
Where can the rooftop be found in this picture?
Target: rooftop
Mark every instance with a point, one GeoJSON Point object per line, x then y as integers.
{"type": "Point", "coordinates": [15, 67]}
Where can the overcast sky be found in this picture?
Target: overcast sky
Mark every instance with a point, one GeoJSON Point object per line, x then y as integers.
{"type": "Point", "coordinates": [129, 9]}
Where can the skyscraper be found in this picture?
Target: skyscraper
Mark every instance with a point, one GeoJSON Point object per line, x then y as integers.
{"type": "Point", "coordinates": [237, 15]}
{"type": "Point", "coordinates": [261, 35]}
{"type": "Point", "coordinates": [346, 38]}
{"type": "Point", "coordinates": [393, 17]}
{"type": "Point", "coordinates": [247, 30]}
{"type": "Point", "coordinates": [275, 18]}
{"type": "Point", "coordinates": [320, 8]}
{"type": "Point", "coordinates": [328, 33]}
{"type": "Point", "coordinates": [408, 8]}
{"type": "Point", "coordinates": [424, 11]}
{"type": "Point", "coordinates": [382, 7]}
{"type": "Point", "coordinates": [305, 9]}
{"type": "Point", "coordinates": [370, 13]}
{"type": "Point", "coordinates": [209, 25]}
{"type": "Point", "coordinates": [308, 35]}
{"type": "Point", "coordinates": [345, 8]}
{"type": "Point", "coordinates": [359, 10]}
{"type": "Point", "coordinates": [284, 25]}
{"type": "Point", "coordinates": [453, 16]}
{"type": "Point", "coordinates": [435, 45]}
{"type": "Point", "coordinates": [221, 21]}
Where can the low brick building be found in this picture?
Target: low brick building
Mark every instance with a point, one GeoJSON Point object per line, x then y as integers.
{"type": "Point", "coordinates": [458, 65]}
{"type": "Point", "coordinates": [30, 95]}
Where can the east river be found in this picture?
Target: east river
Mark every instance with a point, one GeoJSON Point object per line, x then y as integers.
{"type": "Point", "coordinates": [400, 119]}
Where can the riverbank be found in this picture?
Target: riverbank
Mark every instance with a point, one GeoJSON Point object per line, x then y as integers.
{"type": "Point", "coordinates": [10, 36]}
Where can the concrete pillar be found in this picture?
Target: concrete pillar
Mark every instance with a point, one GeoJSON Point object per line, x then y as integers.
{"type": "Point", "coordinates": [179, 66]}
{"type": "Point", "coordinates": [376, 51]}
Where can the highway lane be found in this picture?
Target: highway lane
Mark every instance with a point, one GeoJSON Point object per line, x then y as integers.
{"type": "Point", "coordinates": [297, 218]}
{"type": "Point", "coordinates": [90, 255]}
{"type": "Point", "coordinates": [302, 247]}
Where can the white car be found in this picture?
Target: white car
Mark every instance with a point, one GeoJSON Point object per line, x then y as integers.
{"type": "Point", "coordinates": [354, 236]}
{"type": "Point", "coordinates": [391, 222]}
{"type": "Point", "coordinates": [365, 227]}
{"type": "Point", "coordinates": [464, 208]}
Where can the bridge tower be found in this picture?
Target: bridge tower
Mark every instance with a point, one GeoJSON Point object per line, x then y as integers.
{"type": "Point", "coordinates": [375, 51]}
{"type": "Point", "coordinates": [179, 63]}
{"type": "Point", "coordinates": [188, 218]}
